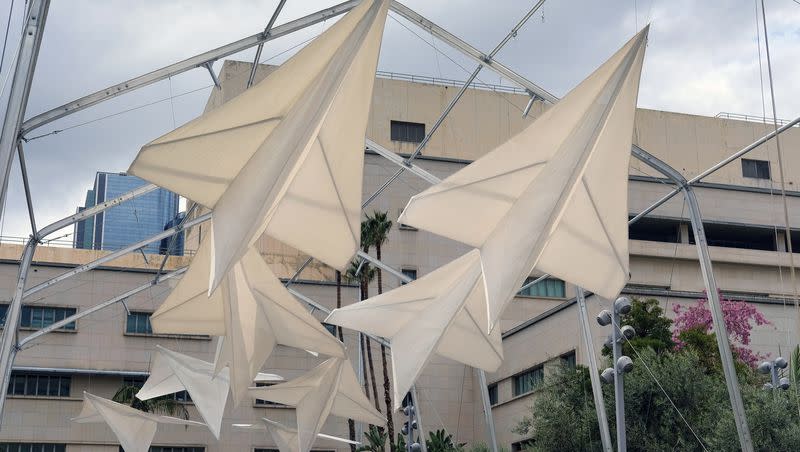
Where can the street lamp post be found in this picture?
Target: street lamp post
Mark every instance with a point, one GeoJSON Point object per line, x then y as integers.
{"type": "Point", "coordinates": [622, 364]}
{"type": "Point", "coordinates": [772, 368]}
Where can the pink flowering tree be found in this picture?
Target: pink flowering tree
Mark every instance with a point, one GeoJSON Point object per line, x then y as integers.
{"type": "Point", "coordinates": [740, 318]}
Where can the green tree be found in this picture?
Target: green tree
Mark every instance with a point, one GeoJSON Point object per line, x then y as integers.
{"type": "Point", "coordinates": [441, 441]}
{"type": "Point", "coordinates": [375, 440]}
{"type": "Point", "coordinates": [351, 425]}
{"type": "Point", "coordinates": [652, 328]}
{"type": "Point", "coordinates": [378, 229]}
{"type": "Point", "coordinates": [164, 405]}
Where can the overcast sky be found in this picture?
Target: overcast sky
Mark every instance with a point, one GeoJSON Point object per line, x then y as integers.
{"type": "Point", "coordinates": [702, 58]}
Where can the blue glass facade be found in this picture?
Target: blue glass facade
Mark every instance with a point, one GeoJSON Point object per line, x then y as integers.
{"type": "Point", "coordinates": [129, 222]}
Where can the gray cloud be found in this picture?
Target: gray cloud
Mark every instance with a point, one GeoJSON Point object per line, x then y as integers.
{"type": "Point", "coordinates": [702, 59]}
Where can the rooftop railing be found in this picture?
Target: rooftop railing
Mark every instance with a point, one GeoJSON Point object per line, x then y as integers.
{"type": "Point", "coordinates": [449, 82]}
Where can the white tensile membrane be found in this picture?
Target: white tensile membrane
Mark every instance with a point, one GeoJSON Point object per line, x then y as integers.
{"type": "Point", "coordinates": [286, 155]}
{"type": "Point", "coordinates": [443, 312]}
{"type": "Point", "coordinates": [251, 309]}
{"type": "Point", "coordinates": [553, 197]}
{"type": "Point", "coordinates": [133, 428]}
{"type": "Point", "coordinates": [329, 388]}
{"type": "Point", "coordinates": [171, 372]}
{"type": "Point", "coordinates": [285, 437]}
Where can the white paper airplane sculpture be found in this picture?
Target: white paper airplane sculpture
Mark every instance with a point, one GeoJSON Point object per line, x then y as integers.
{"type": "Point", "coordinates": [553, 197]}
{"type": "Point", "coordinates": [252, 310]}
{"type": "Point", "coordinates": [443, 312]}
{"type": "Point", "coordinates": [285, 156]}
{"type": "Point", "coordinates": [134, 429]}
{"type": "Point", "coordinates": [171, 372]}
{"type": "Point", "coordinates": [285, 437]}
{"type": "Point", "coordinates": [329, 388]}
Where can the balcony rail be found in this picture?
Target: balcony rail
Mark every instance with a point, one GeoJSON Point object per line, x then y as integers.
{"type": "Point", "coordinates": [449, 82]}
{"type": "Point", "coordinates": [750, 118]}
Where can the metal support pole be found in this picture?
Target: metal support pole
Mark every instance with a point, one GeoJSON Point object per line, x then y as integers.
{"type": "Point", "coordinates": [478, 56]}
{"type": "Point", "coordinates": [417, 411]}
{"type": "Point", "coordinates": [116, 254]}
{"type": "Point", "coordinates": [20, 88]}
{"type": "Point", "coordinates": [716, 167]}
{"type": "Point", "coordinates": [485, 59]}
{"type": "Point", "coordinates": [185, 65]}
{"type": "Point", "coordinates": [8, 346]}
{"type": "Point", "coordinates": [487, 410]}
{"type": "Point", "coordinates": [619, 382]}
{"type": "Point", "coordinates": [260, 47]}
{"type": "Point", "coordinates": [27, 186]}
{"type": "Point", "coordinates": [594, 373]}
{"type": "Point", "coordinates": [723, 344]}
{"type": "Point", "coordinates": [210, 66]}
{"type": "Point", "coordinates": [120, 298]}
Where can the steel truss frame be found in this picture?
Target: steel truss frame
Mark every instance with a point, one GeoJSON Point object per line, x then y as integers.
{"type": "Point", "coordinates": [14, 129]}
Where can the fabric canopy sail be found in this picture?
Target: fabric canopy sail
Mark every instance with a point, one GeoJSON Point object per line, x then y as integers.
{"type": "Point", "coordinates": [171, 372]}
{"type": "Point", "coordinates": [287, 154]}
{"type": "Point", "coordinates": [134, 429]}
{"type": "Point", "coordinates": [443, 312]}
{"type": "Point", "coordinates": [252, 310]}
{"type": "Point", "coordinates": [553, 197]}
{"type": "Point", "coordinates": [329, 388]}
{"type": "Point", "coordinates": [285, 437]}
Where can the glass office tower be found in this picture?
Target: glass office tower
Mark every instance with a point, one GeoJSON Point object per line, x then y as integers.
{"type": "Point", "coordinates": [128, 222]}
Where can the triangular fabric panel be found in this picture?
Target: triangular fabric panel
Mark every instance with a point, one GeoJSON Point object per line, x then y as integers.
{"type": "Point", "coordinates": [208, 390]}
{"type": "Point", "coordinates": [316, 394]}
{"type": "Point", "coordinates": [256, 313]}
{"type": "Point", "coordinates": [286, 438]}
{"type": "Point", "coordinates": [250, 159]}
{"type": "Point", "coordinates": [133, 428]}
{"type": "Point", "coordinates": [553, 197]}
{"type": "Point", "coordinates": [443, 312]}
{"type": "Point", "coordinates": [188, 309]}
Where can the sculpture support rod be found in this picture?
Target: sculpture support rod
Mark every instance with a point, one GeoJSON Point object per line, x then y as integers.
{"type": "Point", "coordinates": [116, 254]}
{"type": "Point", "coordinates": [619, 382]}
{"type": "Point", "coordinates": [260, 47]}
{"type": "Point", "coordinates": [594, 375]}
{"type": "Point", "coordinates": [95, 308]}
{"type": "Point", "coordinates": [32, 33]}
{"type": "Point", "coordinates": [722, 163]}
{"type": "Point", "coordinates": [723, 344]}
{"type": "Point", "coordinates": [479, 57]}
{"type": "Point", "coordinates": [185, 65]}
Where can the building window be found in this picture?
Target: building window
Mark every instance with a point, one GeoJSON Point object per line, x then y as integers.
{"type": "Point", "coordinates": [738, 236]}
{"type": "Point", "coordinates": [409, 272]}
{"type": "Point", "coordinates": [261, 449]}
{"type": "Point", "coordinates": [266, 403]}
{"type": "Point", "coordinates": [568, 360]}
{"type": "Point", "coordinates": [39, 385]}
{"type": "Point", "coordinates": [528, 381]}
{"type": "Point", "coordinates": [655, 230]}
{"type": "Point", "coordinates": [493, 394]}
{"type": "Point", "coordinates": [138, 323]}
{"type": "Point", "coordinates": [32, 447]}
{"type": "Point", "coordinates": [138, 382]}
{"type": "Point", "coordinates": [411, 132]}
{"type": "Point", "coordinates": [756, 169]}
{"type": "Point", "coordinates": [171, 449]}
{"type": "Point", "coordinates": [38, 317]}
{"type": "Point", "coordinates": [550, 287]}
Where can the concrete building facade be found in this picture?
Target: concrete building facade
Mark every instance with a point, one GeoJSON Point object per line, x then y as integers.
{"type": "Point", "coordinates": [741, 206]}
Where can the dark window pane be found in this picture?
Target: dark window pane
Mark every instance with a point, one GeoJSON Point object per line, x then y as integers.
{"type": "Point", "coordinates": [756, 169]}
{"type": "Point", "coordinates": [528, 381]}
{"type": "Point", "coordinates": [550, 287]}
{"type": "Point", "coordinates": [493, 394]}
{"type": "Point", "coordinates": [411, 132]}
{"type": "Point", "coordinates": [410, 272]}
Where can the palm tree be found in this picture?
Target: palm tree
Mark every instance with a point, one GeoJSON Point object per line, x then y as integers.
{"type": "Point", "coordinates": [351, 425]}
{"type": "Point", "coordinates": [363, 273]}
{"type": "Point", "coordinates": [164, 405]}
{"type": "Point", "coordinates": [379, 227]}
